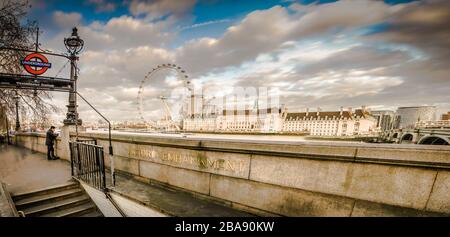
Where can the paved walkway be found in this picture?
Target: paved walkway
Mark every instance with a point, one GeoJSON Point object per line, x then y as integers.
{"type": "Point", "coordinates": [172, 202]}
{"type": "Point", "coordinates": [24, 170]}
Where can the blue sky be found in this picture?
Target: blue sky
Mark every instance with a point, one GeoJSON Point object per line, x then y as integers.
{"type": "Point", "coordinates": [316, 53]}
{"type": "Point", "coordinates": [225, 12]}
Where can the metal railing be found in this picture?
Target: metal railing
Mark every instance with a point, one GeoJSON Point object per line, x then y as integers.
{"type": "Point", "coordinates": [88, 164]}
{"type": "Point", "coordinates": [111, 153]}
{"type": "Point", "coordinates": [87, 141]}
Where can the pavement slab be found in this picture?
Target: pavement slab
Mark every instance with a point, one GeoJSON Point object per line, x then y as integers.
{"type": "Point", "coordinates": [23, 170]}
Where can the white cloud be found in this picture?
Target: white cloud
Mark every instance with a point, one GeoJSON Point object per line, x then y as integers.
{"type": "Point", "coordinates": [118, 33]}
{"type": "Point", "coordinates": [102, 5]}
{"type": "Point", "coordinates": [120, 67]}
{"type": "Point", "coordinates": [263, 31]}
{"type": "Point", "coordinates": [66, 20]}
{"type": "Point", "coordinates": [311, 53]}
{"type": "Point", "coordinates": [207, 23]}
{"type": "Point", "coordinates": [154, 9]}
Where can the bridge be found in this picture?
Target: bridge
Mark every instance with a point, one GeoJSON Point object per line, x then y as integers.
{"type": "Point", "coordinates": [424, 136]}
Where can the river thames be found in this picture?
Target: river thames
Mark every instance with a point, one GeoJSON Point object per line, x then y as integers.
{"type": "Point", "coordinates": [246, 137]}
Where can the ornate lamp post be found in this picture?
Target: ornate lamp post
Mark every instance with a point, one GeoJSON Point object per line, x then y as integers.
{"type": "Point", "coordinates": [74, 44]}
{"type": "Point", "coordinates": [16, 99]}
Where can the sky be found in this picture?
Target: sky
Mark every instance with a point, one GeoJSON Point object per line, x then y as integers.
{"type": "Point", "coordinates": [327, 54]}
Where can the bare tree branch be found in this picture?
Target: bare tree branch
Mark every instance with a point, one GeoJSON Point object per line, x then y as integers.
{"type": "Point", "coordinates": [15, 33]}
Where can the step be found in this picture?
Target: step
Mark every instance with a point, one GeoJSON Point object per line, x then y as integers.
{"type": "Point", "coordinates": [75, 211]}
{"type": "Point", "coordinates": [56, 206]}
{"type": "Point", "coordinates": [93, 214]}
{"type": "Point", "coordinates": [47, 198]}
{"type": "Point", "coordinates": [53, 189]}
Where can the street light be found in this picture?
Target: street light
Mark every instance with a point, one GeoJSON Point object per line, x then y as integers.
{"type": "Point", "coordinates": [74, 44]}
{"type": "Point", "coordinates": [16, 99]}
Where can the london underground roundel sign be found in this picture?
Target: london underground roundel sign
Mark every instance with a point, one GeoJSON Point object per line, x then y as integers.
{"type": "Point", "coordinates": [36, 64]}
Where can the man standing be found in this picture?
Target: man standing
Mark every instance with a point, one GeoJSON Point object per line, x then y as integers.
{"type": "Point", "coordinates": [50, 141]}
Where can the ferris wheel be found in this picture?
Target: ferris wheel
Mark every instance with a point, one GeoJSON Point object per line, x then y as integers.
{"type": "Point", "coordinates": [180, 74]}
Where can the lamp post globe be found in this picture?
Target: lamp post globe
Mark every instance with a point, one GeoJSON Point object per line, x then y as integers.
{"type": "Point", "coordinates": [74, 44]}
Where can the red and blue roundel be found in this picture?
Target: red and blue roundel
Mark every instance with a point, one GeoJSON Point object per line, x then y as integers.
{"type": "Point", "coordinates": [36, 64]}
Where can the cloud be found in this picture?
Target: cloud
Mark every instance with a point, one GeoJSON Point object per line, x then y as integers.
{"type": "Point", "coordinates": [66, 20]}
{"type": "Point", "coordinates": [424, 25]}
{"type": "Point", "coordinates": [340, 15]}
{"type": "Point", "coordinates": [118, 33]}
{"type": "Point", "coordinates": [358, 58]}
{"type": "Point", "coordinates": [262, 31]}
{"type": "Point", "coordinates": [207, 23]}
{"type": "Point", "coordinates": [317, 55]}
{"type": "Point", "coordinates": [330, 79]}
{"type": "Point", "coordinates": [102, 5]}
{"type": "Point", "coordinates": [155, 9]}
{"type": "Point", "coordinates": [125, 68]}
{"type": "Point", "coordinates": [258, 32]}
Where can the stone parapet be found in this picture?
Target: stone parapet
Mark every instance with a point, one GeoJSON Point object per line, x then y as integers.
{"type": "Point", "coordinates": [290, 178]}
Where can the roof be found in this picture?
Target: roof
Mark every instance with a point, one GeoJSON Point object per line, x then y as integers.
{"type": "Point", "coordinates": [250, 111]}
{"type": "Point", "coordinates": [328, 114]}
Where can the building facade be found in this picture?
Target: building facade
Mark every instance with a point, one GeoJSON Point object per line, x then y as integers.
{"type": "Point", "coordinates": [274, 120]}
{"type": "Point", "coordinates": [331, 123]}
{"type": "Point", "coordinates": [240, 121]}
{"type": "Point", "coordinates": [385, 119]}
{"type": "Point", "coordinates": [407, 117]}
{"type": "Point", "coordinates": [200, 124]}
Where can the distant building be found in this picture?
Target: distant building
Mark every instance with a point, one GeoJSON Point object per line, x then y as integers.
{"type": "Point", "coordinates": [437, 124]}
{"type": "Point", "coordinates": [385, 119]}
{"type": "Point", "coordinates": [200, 124]}
{"type": "Point", "coordinates": [331, 123]}
{"type": "Point", "coordinates": [446, 116]}
{"type": "Point", "coordinates": [231, 120]}
{"type": "Point", "coordinates": [407, 117]}
{"type": "Point", "coordinates": [262, 120]}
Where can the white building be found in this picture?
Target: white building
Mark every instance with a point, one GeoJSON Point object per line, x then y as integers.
{"type": "Point", "coordinates": [205, 124]}
{"type": "Point", "coordinates": [258, 121]}
{"type": "Point", "coordinates": [332, 123]}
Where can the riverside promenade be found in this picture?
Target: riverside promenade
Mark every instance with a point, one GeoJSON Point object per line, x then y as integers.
{"type": "Point", "coordinates": [274, 178]}
{"type": "Point", "coordinates": [23, 170]}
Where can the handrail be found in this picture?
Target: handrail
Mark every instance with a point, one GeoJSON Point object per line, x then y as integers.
{"type": "Point", "coordinates": [110, 140]}
{"type": "Point", "coordinates": [108, 195]}
{"type": "Point", "coordinates": [87, 164]}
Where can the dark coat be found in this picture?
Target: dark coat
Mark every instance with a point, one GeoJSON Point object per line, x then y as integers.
{"type": "Point", "coordinates": [50, 138]}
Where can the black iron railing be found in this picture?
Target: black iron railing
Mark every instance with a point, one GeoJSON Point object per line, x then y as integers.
{"type": "Point", "coordinates": [87, 140]}
{"type": "Point", "coordinates": [88, 163]}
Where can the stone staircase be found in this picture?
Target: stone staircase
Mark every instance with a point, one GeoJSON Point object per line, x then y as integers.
{"type": "Point", "coordinates": [67, 200]}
